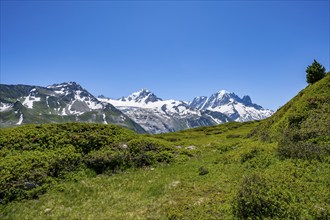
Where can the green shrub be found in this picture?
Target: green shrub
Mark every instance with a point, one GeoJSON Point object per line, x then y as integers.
{"type": "Point", "coordinates": [203, 171]}
{"type": "Point", "coordinates": [144, 152]}
{"type": "Point", "coordinates": [233, 136]}
{"type": "Point", "coordinates": [248, 156]}
{"type": "Point", "coordinates": [24, 175]}
{"type": "Point", "coordinates": [103, 160]}
{"type": "Point", "coordinates": [303, 150]}
{"type": "Point", "coordinates": [258, 199]}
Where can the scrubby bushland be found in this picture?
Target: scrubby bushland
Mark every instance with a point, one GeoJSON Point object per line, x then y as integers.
{"type": "Point", "coordinates": [33, 157]}
{"type": "Point", "coordinates": [27, 174]}
{"type": "Point", "coordinates": [136, 153]}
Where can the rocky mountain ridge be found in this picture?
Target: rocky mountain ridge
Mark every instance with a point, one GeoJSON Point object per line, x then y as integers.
{"type": "Point", "coordinates": [65, 102]}
{"type": "Point", "coordinates": [228, 103]}
{"type": "Point", "coordinates": [141, 111]}
{"type": "Point", "coordinates": [156, 115]}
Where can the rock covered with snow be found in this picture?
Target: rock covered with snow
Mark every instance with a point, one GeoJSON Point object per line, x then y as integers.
{"type": "Point", "coordinates": [228, 103]}
{"type": "Point", "coordinates": [65, 102]}
{"type": "Point", "coordinates": [156, 115]}
{"type": "Point", "coordinates": [142, 110]}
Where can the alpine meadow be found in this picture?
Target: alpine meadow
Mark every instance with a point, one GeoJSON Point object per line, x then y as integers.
{"type": "Point", "coordinates": [277, 168]}
{"type": "Point", "coordinates": [164, 110]}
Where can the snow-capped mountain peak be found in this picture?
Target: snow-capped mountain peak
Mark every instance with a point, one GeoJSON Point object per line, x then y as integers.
{"type": "Point", "coordinates": [64, 102]}
{"type": "Point", "coordinates": [77, 98]}
{"type": "Point", "coordinates": [142, 110]}
{"type": "Point", "coordinates": [228, 103]}
{"type": "Point", "coordinates": [156, 115]}
{"type": "Point", "coordinates": [223, 92]}
{"type": "Point", "coordinates": [142, 96]}
{"type": "Point", "coordinates": [68, 85]}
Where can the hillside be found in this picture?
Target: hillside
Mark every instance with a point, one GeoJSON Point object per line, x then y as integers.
{"type": "Point", "coordinates": [302, 125]}
{"type": "Point", "coordinates": [248, 170]}
{"type": "Point", "coordinates": [310, 104]}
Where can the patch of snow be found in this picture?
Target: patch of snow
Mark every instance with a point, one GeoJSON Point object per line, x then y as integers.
{"type": "Point", "coordinates": [54, 86]}
{"type": "Point", "coordinates": [223, 92]}
{"type": "Point", "coordinates": [218, 121]}
{"type": "Point", "coordinates": [20, 120]}
{"type": "Point", "coordinates": [28, 102]}
{"type": "Point", "coordinates": [104, 119]}
{"type": "Point", "coordinates": [161, 106]}
{"type": "Point", "coordinates": [5, 106]}
{"type": "Point", "coordinates": [47, 97]}
{"type": "Point", "coordinates": [63, 112]}
{"type": "Point", "coordinates": [61, 92]}
{"type": "Point", "coordinates": [90, 103]}
{"type": "Point", "coordinates": [225, 109]}
{"type": "Point", "coordinates": [94, 105]}
{"type": "Point", "coordinates": [76, 113]}
{"type": "Point", "coordinates": [205, 102]}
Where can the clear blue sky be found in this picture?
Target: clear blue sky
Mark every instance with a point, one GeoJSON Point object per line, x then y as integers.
{"type": "Point", "coordinates": [177, 49]}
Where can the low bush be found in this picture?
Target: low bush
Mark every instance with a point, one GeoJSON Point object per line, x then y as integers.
{"type": "Point", "coordinates": [233, 136]}
{"type": "Point", "coordinates": [258, 199]}
{"type": "Point", "coordinates": [144, 152]}
{"type": "Point", "coordinates": [303, 150]}
{"type": "Point", "coordinates": [106, 160]}
{"type": "Point", "coordinates": [249, 155]}
{"type": "Point", "coordinates": [23, 175]}
{"type": "Point", "coordinates": [203, 171]}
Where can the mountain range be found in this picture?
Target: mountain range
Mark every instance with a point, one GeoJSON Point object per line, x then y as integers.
{"type": "Point", "coordinates": [141, 111]}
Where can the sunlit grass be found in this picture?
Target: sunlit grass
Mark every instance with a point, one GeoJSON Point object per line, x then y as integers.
{"type": "Point", "coordinates": [178, 191]}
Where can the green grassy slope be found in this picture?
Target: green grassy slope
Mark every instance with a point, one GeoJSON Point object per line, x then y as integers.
{"type": "Point", "coordinates": [308, 110]}
{"type": "Point", "coordinates": [219, 172]}
{"type": "Point", "coordinates": [302, 126]}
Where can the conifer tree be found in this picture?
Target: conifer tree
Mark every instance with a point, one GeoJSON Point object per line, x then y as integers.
{"type": "Point", "coordinates": [315, 72]}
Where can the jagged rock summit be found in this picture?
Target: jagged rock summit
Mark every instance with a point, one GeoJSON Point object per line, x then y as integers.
{"type": "Point", "coordinates": [228, 103]}
{"type": "Point", "coordinates": [156, 115]}
{"type": "Point", "coordinates": [142, 96]}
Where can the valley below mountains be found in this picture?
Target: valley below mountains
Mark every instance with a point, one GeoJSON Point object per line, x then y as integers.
{"type": "Point", "coordinates": [141, 111]}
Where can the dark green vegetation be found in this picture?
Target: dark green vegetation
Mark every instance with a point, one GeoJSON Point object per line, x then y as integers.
{"type": "Point", "coordinates": [34, 157]}
{"type": "Point", "coordinates": [278, 168]}
{"type": "Point", "coordinates": [315, 72]}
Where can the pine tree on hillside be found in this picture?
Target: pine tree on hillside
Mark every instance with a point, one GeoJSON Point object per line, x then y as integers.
{"type": "Point", "coordinates": [315, 72]}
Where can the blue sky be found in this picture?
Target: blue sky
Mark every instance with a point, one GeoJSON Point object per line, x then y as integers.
{"type": "Point", "coordinates": [177, 49]}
